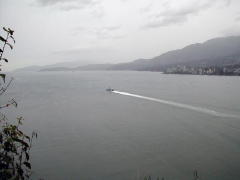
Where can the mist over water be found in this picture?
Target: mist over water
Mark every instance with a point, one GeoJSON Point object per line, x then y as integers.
{"type": "Point", "coordinates": [159, 125]}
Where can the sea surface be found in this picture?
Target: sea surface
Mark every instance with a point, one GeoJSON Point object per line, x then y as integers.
{"type": "Point", "coordinates": [151, 124]}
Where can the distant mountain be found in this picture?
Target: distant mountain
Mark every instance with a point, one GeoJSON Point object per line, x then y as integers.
{"type": "Point", "coordinates": [29, 68]}
{"type": "Point", "coordinates": [214, 52]}
{"type": "Point", "coordinates": [56, 69]}
{"type": "Point", "coordinates": [218, 52]}
{"type": "Point", "coordinates": [94, 67]}
{"type": "Point", "coordinates": [90, 67]}
{"type": "Point", "coordinates": [61, 66]}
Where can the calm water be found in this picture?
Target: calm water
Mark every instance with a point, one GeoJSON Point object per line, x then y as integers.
{"type": "Point", "coordinates": [88, 133]}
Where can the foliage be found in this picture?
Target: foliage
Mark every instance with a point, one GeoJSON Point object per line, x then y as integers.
{"type": "Point", "coordinates": [15, 145]}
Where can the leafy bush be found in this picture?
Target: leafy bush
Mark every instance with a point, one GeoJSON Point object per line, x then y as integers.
{"type": "Point", "coordinates": [15, 145]}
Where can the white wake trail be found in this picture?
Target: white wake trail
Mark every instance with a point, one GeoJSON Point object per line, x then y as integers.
{"type": "Point", "coordinates": [180, 105]}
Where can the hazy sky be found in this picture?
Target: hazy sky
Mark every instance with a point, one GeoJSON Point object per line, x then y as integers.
{"type": "Point", "coordinates": [111, 31]}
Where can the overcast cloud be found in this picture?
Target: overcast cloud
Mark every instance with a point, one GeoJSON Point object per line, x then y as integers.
{"type": "Point", "coordinates": [175, 14]}
{"type": "Point", "coordinates": [111, 30]}
{"type": "Point", "coordinates": [65, 2]}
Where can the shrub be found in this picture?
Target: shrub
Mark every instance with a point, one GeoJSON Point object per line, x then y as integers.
{"type": "Point", "coordinates": [15, 145]}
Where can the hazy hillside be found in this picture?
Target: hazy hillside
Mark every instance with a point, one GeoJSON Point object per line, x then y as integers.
{"type": "Point", "coordinates": [218, 52]}
{"type": "Point", "coordinates": [61, 66]}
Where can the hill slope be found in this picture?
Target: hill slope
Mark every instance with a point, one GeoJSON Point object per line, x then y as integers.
{"type": "Point", "coordinates": [215, 56]}
{"type": "Point", "coordinates": [217, 52]}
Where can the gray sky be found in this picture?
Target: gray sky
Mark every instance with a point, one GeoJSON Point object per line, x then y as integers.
{"type": "Point", "coordinates": [111, 31]}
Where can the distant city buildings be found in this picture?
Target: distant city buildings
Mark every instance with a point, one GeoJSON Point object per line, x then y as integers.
{"type": "Point", "coordinates": [204, 70]}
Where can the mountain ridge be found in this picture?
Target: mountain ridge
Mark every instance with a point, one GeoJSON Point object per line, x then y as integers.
{"type": "Point", "coordinates": [216, 52]}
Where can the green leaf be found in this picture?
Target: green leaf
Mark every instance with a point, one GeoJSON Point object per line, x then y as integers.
{"type": "Point", "coordinates": [13, 39]}
{"type": "Point", "coordinates": [5, 59]}
{"type": "Point", "coordinates": [3, 76]}
{"type": "Point", "coordinates": [27, 164]}
{"type": "Point", "coordinates": [10, 31]}
{"type": "Point", "coordinates": [14, 103]}
{"type": "Point", "coordinates": [27, 155]}
{"type": "Point", "coordinates": [21, 141]}
{"type": "Point", "coordinates": [5, 29]}
{"type": "Point", "coordinates": [29, 139]}
{"type": "Point", "coordinates": [20, 172]}
{"type": "Point", "coordinates": [11, 46]}
{"type": "Point", "coordinates": [2, 39]}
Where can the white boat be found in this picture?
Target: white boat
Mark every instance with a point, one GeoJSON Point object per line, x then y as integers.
{"type": "Point", "coordinates": [109, 89]}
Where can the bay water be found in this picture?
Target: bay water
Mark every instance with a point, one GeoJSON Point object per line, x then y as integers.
{"type": "Point", "coordinates": [85, 132]}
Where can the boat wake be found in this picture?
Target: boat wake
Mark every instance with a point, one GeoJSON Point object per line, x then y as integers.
{"type": "Point", "coordinates": [179, 105]}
